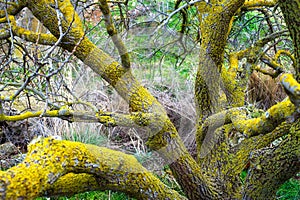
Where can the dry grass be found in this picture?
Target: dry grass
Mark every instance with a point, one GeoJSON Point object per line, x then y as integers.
{"type": "Point", "coordinates": [263, 91]}
{"type": "Point", "coordinates": [177, 100]}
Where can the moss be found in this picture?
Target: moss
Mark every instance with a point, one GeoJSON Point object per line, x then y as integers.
{"type": "Point", "coordinates": [63, 112]}
{"type": "Point", "coordinates": [292, 88]}
{"type": "Point", "coordinates": [71, 183]}
{"type": "Point", "coordinates": [49, 160]}
{"type": "Point", "coordinates": [259, 3]}
{"type": "Point", "coordinates": [41, 38]}
{"type": "Point", "coordinates": [234, 92]}
{"type": "Point", "coordinates": [218, 162]}
{"type": "Point", "coordinates": [271, 167]}
{"type": "Point", "coordinates": [267, 122]}
{"type": "Point", "coordinates": [71, 16]}
{"type": "Point", "coordinates": [106, 120]}
{"type": "Point", "coordinates": [234, 65]}
{"type": "Point", "coordinates": [290, 83]}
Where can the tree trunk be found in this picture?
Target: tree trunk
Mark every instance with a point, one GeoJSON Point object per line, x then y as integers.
{"type": "Point", "coordinates": [291, 12]}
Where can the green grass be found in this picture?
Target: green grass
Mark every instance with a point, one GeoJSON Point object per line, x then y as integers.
{"type": "Point", "coordinates": [290, 190]}
{"type": "Point", "coordinates": [101, 195]}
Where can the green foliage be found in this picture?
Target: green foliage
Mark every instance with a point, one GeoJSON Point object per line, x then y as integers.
{"type": "Point", "coordinates": [245, 29]}
{"type": "Point", "coordinates": [95, 195]}
{"type": "Point", "coordinates": [168, 179]}
{"type": "Point", "coordinates": [87, 136]}
{"type": "Point", "coordinates": [243, 175]}
{"type": "Point", "coordinates": [290, 190]}
{"type": "Point", "coordinates": [142, 156]}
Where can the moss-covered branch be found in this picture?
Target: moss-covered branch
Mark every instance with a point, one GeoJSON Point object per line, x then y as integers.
{"type": "Point", "coordinates": [48, 160]}
{"type": "Point", "coordinates": [224, 151]}
{"type": "Point", "coordinates": [62, 113]}
{"type": "Point", "coordinates": [259, 3]}
{"type": "Point", "coordinates": [291, 87]}
{"type": "Point", "coordinates": [243, 150]}
{"type": "Point", "coordinates": [151, 121]}
{"type": "Point", "coordinates": [217, 146]}
{"type": "Point", "coordinates": [271, 167]}
{"type": "Point", "coordinates": [217, 16]}
{"type": "Point", "coordinates": [209, 126]}
{"type": "Point", "coordinates": [39, 38]}
{"type": "Point", "coordinates": [286, 53]}
{"type": "Point", "coordinates": [274, 115]}
{"type": "Point", "coordinates": [267, 122]}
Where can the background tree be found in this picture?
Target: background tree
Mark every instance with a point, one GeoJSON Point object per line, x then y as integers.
{"type": "Point", "coordinates": [230, 138]}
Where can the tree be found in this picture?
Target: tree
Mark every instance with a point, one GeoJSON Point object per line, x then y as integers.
{"type": "Point", "coordinates": [56, 167]}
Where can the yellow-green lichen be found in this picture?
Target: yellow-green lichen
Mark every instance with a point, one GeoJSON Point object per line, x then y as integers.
{"type": "Point", "coordinates": [63, 112]}
{"type": "Point", "coordinates": [48, 160]}
{"type": "Point", "coordinates": [268, 121]}
{"type": "Point", "coordinates": [292, 88]}
{"type": "Point", "coordinates": [290, 83]}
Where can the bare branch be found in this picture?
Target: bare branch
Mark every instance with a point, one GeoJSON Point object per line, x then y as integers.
{"type": "Point", "coordinates": [12, 8]}
{"type": "Point", "coordinates": [112, 31]}
{"type": "Point", "coordinates": [166, 21]}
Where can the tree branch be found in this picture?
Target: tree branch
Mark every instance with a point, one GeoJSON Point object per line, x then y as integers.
{"type": "Point", "coordinates": [235, 89]}
{"type": "Point", "coordinates": [150, 121]}
{"type": "Point", "coordinates": [112, 31]}
{"type": "Point", "coordinates": [207, 130]}
{"type": "Point", "coordinates": [290, 10]}
{"type": "Point", "coordinates": [292, 88]}
{"type": "Point", "coordinates": [267, 122]}
{"type": "Point", "coordinates": [274, 115]}
{"type": "Point", "coordinates": [166, 21]}
{"type": "Point", "coordinates": [259, 3]}
{"type": "Point", "coordinates": [48, 160]}
{"type": "Point", "coordinates": [271, 167]}
{"type": "Point", "coordinates": [13, 8]}
{"type": "Point", "coordinates": [30, 36]}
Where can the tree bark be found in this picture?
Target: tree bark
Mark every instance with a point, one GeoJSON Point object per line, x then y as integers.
{"type": "Point", "coordinates": [271, 167]}
{"type": "Point", "coordinates": [291, 13]}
